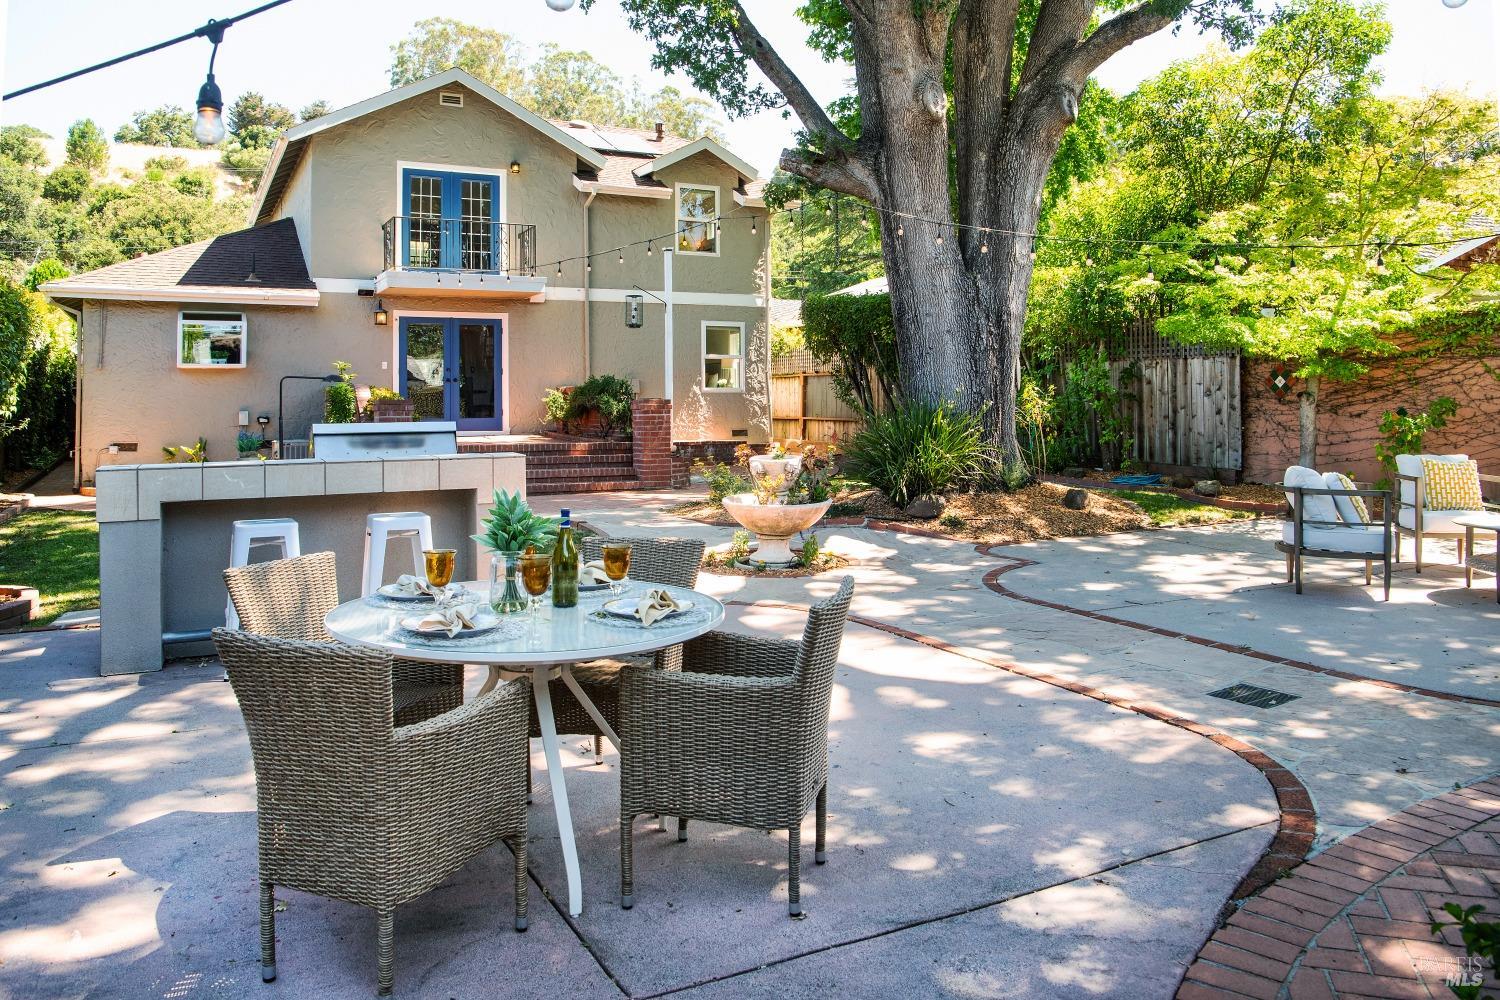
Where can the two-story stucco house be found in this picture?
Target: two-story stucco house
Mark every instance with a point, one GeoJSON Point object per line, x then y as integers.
{"type": "Point", "coordinates": [451, 245]}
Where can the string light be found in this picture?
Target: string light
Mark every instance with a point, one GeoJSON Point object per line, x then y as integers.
{"type": "Point", "coordinates": [649, 251]}
{"type": "Point", "coordinates": [939, 239]}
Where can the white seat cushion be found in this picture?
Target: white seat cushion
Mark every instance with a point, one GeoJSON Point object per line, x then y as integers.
{"type": "Point", "coordinates": [1434, 522]}
{"type": "Point", "coordinates": [1352, 510]}
{"type": "Point", "coordinates": [1352, 538]}
{"type": "Point", "coordinates": [1411, 465]}
{"type": "Point", "coordinates": [1316, 506]}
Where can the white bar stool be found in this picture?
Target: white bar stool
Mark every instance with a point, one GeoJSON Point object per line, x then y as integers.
{"type": "Point", "coordinates": [380, 528]}
{"type": "Point", "coordinates": [279, 531]}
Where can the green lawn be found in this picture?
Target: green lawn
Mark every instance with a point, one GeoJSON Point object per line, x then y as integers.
{"type": "Point", "coordinates": [1167, 511]}
{"type": "Point", "coordinates": [57, 552]}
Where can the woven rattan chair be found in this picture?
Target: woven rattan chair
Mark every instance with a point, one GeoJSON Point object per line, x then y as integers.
{"type": "Point", "coordinates": [739, 735]}
{"type": "Point", "coordinates": [352, 807]}
{"type": "Point", "coordinates": [673, 561]}
{"type": "Point", "coordinates": [289, 598]}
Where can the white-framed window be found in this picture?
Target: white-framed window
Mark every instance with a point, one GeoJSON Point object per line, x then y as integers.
{"type": "Point", "coordinates": [723, 357]}
{"type": "Point", "coordinates": [210, 339]}
{"type": "Point", "coordinates": [697, 212]}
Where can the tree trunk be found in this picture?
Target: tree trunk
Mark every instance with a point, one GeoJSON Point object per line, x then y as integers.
{"type": "Point", "coordinates": [1307, 423]}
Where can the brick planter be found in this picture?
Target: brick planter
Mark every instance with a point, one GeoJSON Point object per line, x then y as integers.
{"type": "Point", "coordinates": [383, 411]}
{"type": "Point", "coordinates": [18, 605]}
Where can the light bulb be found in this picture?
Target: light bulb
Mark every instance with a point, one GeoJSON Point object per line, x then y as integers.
{"type": "Point", "coordinates": [1454, 4]}
{"type": "Point", "coordinates": [560, 5]}
{"type": "Point", "coordinates": [900, 230]}
{"type": "Point", "coordinates": [208, 124]}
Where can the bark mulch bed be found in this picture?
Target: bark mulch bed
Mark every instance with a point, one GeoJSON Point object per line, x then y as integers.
{"type": "Point", "coordinates": [827, 562]}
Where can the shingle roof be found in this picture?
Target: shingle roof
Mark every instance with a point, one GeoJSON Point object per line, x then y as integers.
{"type": "Point", "coordinates": [263, 257]}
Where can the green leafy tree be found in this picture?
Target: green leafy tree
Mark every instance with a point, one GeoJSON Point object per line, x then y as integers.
{"type": "Point", "coordinates": [22, 145]}
{"type": "Point", "coordinates": [87, 147]}
{"type": "Point", "coordinates": [20, 187]}
{"type": "Point", "coordinates": [317, 109]}
{"type": "Point", "coordinates": [564, 84]}
{"type": "Point", "coordinates": [679, 113]}
{"type": "Point", "coordinates": [256, 121]}
{"type": "Point", "coordinates": [17, 344]}
{"type": "Point", "coordinates": [439, 43]}
{"type": "Point", "coordinates": [976, 153]}
{"type": "Point", "coordinates": [69, 182]}
{"type": "Point", "coordinates": [167, 125]}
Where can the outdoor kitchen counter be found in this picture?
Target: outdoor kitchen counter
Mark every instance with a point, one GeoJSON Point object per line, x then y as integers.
{"type": "Point", "coordinates": [164, 533]}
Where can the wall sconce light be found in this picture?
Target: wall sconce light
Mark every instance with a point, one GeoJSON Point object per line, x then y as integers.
{"type": "Point", "coordinates": [515, 166]}
{"type": "Point", "coordinates": [635, 308]}
{"type": "Point", "coordinates": [382, 317]}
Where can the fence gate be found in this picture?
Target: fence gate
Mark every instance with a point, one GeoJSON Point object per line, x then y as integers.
{"type": "Point", "coordinates": [804, 405]}
{"type": "Point", "coordinates": [1183, 402]}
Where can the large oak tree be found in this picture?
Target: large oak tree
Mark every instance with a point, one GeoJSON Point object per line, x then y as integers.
{"type": "Point", "coordinates": [1015, 70]}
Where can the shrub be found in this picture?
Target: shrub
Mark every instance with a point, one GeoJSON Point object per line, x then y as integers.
{"type": "Point", "coordinates": [1086, 419]}
{"type": "Point", "coordinates": [721, 479]}
{"type": "Point", "coordinates": [607, 395]}
{"type": "Point", "coordinates": [339, 404]}
{"type": "Point", "coordinates": [808, 556]}
{"type": "Point", "coordinates": [195, 452]}
{"type": "Point", "coordinates": [556, 402]}
{"type": "Point", "coordinates": [739, 546]}
{"type": "Point", "coordinates": [858, 334]}
{"type": "Point", "coordinates": [1401, 432]}
{"type": "Point", "coordinates": [920, 449]}
{"type": "Point", "coordinates": [382, 394]}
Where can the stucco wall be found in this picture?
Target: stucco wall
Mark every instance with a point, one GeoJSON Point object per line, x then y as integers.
{"type": "Point", "coordinates": [1349, 416]}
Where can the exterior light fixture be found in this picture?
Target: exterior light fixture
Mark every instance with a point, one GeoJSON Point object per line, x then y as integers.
{"type": "Point", "coordinates": [560, 5]}
{"type": "Point", "coordinates": [515, 166]}
{"type": "Point", "coordinates": [208, 124]}
{"type": "Point", "coordinates": [382, 318]}
{"type": "Point", "coordinates": [1450, 4]}
{"type": "Point", "coordinates": [635, 308]}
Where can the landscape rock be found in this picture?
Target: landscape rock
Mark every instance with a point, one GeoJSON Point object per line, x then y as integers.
{"type": "Point", "coordinates": [1075, 472]}
{"type": "Point", "coordinates": [1183, 482]}
{"type": "Point", "coordinates": [1076, 499]}
{"type": "Point", "coordinates": [926, 507]}
{"type": "Point", "coordinates": [1206, 487]}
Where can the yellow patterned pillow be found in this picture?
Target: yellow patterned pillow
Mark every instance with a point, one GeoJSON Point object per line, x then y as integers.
{"type": "Point", "coordinates": [1359, 502]}
{"type": "Point", "coordinates": [1452, 485]}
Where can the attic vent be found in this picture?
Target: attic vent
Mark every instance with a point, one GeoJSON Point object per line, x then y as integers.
{"type": "Point", "coordinates": [450, 99]}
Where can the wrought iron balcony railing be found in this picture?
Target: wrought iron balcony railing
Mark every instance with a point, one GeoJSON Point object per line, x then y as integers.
{"type": "Point", "coordinates": [434, 244]}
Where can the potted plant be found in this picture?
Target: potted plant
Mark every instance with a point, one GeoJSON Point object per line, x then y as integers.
{"type": "Point", "coordinates": [607, 397]}
{"type": "Point", "coordinates": [249, 444]}
{"type": "Point", "coordinates": [387, 405]}
{"type": "Point", "coordinates": [509, 530]}
{"type": "Point", "coordinates": [777, 509]}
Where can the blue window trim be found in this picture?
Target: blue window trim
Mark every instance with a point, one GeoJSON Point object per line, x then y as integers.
{"type": "Point", "coordinates": [450, 325]}
{"type": "Point", "coordinates": [451, 210]}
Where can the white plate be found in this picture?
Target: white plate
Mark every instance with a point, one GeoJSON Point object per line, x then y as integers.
{"type": "Point", "coordinates": [624, 607]}
{"type": "Point", "coordinates": [483, 623]}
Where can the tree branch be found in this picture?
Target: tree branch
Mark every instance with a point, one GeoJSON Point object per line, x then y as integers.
{"type": "Point", "coordinates": [1072, 68]}
{"type": "Point", "coordinates": [756, 48]}
{"type": "Point", "coordinates": [836, 171]}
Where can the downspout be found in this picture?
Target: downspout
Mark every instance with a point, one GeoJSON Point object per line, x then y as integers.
{"type": "Point", "coordinates": [593, 193]}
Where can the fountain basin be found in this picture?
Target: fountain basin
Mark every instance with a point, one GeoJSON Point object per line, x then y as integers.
{"type": "Point", "coordinates": [773, 525]}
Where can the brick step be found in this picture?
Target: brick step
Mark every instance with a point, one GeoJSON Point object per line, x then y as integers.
{"type": "Point", "coordinates": [582, 475]}
{"type": "Point", "coordinates": [573, 486]}
{"type": "Point", "coordinates": [548, 448]}
{"type": "Point", "coordinates": [576, 461]}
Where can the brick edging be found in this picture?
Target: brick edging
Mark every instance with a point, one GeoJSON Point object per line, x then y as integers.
{"type": "Point", "coordinates": [992, 581]}
{"type": "Point", "coordinates": [1260, 949]}
{"type": "Point", "coordinates": [1297, 819]}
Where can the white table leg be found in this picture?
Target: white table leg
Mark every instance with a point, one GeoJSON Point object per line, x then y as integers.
{"type": "Point", "coordinates": [589, 706]}
{"type": "Point", "coordinates": [539, 689]}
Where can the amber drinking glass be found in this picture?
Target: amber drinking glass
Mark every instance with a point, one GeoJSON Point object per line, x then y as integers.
{"type": "Point", "coordinates": [616, 565]}
{"type": "Point", "coordinates": [439, 565]}
{"type": "Point", "coordinates": [536, 574]}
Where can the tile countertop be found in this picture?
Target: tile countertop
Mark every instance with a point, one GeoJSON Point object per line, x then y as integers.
{"type": "Point", "coordinates": [136, 492]}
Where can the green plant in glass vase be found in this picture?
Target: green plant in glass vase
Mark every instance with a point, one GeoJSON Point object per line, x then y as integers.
{"type": "Point", "coordinates": [510, 528]}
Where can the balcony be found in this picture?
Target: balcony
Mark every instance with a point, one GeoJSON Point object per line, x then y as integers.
{"type": "Point", "coordinates": [428, 255]}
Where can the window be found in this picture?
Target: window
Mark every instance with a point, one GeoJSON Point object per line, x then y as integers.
{"type": "Point", "coordinates": [697, 210]}
{"type": "Point", "coordinates": [724, 357]}
{"type": "Point", "coordinates": [210, 340]}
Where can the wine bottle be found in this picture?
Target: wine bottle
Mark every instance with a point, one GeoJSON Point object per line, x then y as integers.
{"type": "Point", "coordinates": [565, 565]}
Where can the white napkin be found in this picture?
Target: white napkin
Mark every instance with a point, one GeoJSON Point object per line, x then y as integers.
{"type": "Point", "coordinates": [416, 586]}
{"type": "Point", "coordinates": [593, 573]}
{"type": "Point", "coordinates": [452, 619]}
{"type": "Point", "coordinates": [656, 605]}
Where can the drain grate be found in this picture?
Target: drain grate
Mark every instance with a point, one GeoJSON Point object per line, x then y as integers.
{"type": "Point", "coordinates": [1256, 697]}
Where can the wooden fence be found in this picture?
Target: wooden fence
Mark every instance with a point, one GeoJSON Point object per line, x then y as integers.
{"type": "Point", "coordinates": [804, 404]}
{"type": "Point", "coordinates": [1183, 402]}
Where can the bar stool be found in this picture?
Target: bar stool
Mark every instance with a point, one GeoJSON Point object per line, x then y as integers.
{"type": "Point", "coordinates": [279, 531]}
{"type": "Point", "coordinates": [380, 528]}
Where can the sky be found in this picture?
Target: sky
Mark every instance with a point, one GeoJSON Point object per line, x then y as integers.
{"type": "Point", "coordinates": [339, 50]}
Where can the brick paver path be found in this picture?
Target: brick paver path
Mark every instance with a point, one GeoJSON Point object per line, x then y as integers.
{"type": "Point", "coordinates": [1353, 921]}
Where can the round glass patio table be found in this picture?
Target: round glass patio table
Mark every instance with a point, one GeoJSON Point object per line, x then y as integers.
{"type": "Point", "coordinates": [559, 638]}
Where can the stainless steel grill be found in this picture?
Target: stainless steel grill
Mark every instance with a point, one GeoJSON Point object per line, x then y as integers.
{"type": "Point", "coordinates": [390, 440]}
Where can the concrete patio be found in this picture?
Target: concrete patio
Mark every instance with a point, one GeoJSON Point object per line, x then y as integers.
{"type": "Point", "coordinates": [993, 833]}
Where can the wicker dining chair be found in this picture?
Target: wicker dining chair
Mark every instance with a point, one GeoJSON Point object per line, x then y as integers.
{"type": "Point", "coordinates": [289, 598]}
{"type": "Point", "coordinates": [672, 561]}
{"type": "Point", "coordinates": [353, 807]}
{"type": "Point", "coordinates": [739, 736]}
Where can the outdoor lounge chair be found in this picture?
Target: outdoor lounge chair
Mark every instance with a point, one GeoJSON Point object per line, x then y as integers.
{"type": "Point", "coordinates": [1330, 520]}
{"type": "Point", "coordinates": [672, 561]}
{"type": "Point", "coordinates": [1416, 516]}
{"type": "Point", "coordinates": [352, 807]}
{"type": "Point", "coordinates": [738, 736]}
{"type": "Point", "coordinates": [289, 598]}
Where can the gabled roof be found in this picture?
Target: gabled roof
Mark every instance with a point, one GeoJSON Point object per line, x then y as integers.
{"type": "Point", "coordinates": [289, 148]}
{"type": "Point", "coordinates": [874, 286]}
{"type": "Point", "coordinates": [1444, 256]}
{"type": "Point", "coordinates": [263, 264]}
{"type": "Point", "coordinates": [703, 145]}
